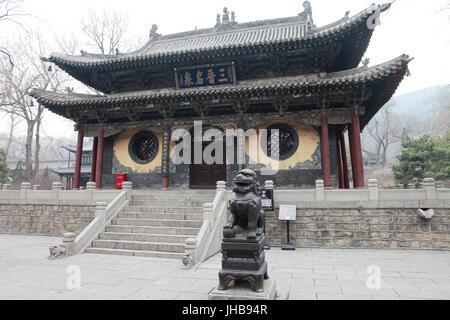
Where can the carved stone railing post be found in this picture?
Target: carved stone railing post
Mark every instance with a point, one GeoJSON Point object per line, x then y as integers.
{"type": "Point", "coordinates": [25, 186]}
{"type": "Point", "coordinates": [269, 185]}
{"type": "Point", "coordinates": [36, 187]}
{"type": "Point", "coordinates": [208, 212]}
{"type": "Point", "coordinates": [100, 211]}
{"type": "Point", "coordinates": [7, 186]}
{"type": "Point", "coordinates": [56, 186]}
{"type": "Point", "coordinates": [221, 186]}
{"type": "Point", "coordinates": [128, 187]}
{"type": "Point", "coordinates": [430, 188]}
{"type": "Point", "coordinates": [68, 241]}
{"type": "Point", "coordinates": [90, 186]}
{"type": "Point", "coordinates": [373, 190]}
{"type": "Point", "coordinates": [320, 190]}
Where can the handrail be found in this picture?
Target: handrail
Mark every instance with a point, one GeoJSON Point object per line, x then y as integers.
{"type": "Point", "coordinates": [103, 215]}
{"type": "Point", "coordinates": [207, 242]}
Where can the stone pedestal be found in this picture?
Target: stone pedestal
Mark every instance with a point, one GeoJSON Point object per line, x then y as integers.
{"type": "Point", "coordinates": [243, 260]}
{"type": "Point", "coordinates": [245, 292]}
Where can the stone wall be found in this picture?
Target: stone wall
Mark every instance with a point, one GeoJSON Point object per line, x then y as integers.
{"type": "Point", "coordinates": [362, 228]}
{"type": "Point", "coordinates": [45, 219]}
{"type": "Point", "coordinates": [49, 212]}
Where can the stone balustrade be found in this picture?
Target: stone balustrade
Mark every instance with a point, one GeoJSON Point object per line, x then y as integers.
{"type": "Point", "coordinates": [364, 218]}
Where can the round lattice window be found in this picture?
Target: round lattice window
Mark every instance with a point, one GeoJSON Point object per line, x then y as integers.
{"type": "Point", "coordinates": [286, 144]}
{"type": "Point", "coordinates": [143, 147]}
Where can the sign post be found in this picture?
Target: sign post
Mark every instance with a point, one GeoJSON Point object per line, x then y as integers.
{"type": "Point", "coordinates": [288, 213]}
{"type": "Point", "coordinates": [267, 204]}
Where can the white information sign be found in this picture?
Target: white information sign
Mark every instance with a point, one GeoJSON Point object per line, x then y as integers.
{"type": "Point", "coordinates": [288, 213]}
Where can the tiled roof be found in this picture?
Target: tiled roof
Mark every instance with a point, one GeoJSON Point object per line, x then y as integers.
{"type": "Point", "coordinates": [253, 34]}
{"type": "Point", "coordinates": [248, 88]}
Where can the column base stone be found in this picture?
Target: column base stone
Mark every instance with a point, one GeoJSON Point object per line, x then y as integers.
{"type": "Point", "coordinates": [243, 291]}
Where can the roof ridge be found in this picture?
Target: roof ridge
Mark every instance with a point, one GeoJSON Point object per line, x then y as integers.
{"type": "Point", "coordinates": [145, 50]}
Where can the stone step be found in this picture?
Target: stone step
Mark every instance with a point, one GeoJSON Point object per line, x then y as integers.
{"type": "Point", "coordinates": [162, 209]}
{"type": "Point", "coordinates": [167, 216]}
{"type": "Point", "coordinates": [166, 203]}
{"type": "Point", "coordinates": [199, 197]}
{"type": "Point", "coordinates": [153, 230]}
{"type": "Point", "coordinates": [138, 245]}
{"type": "Point", "coordinates": [157, 222]}
{"type": "Point", "coordinates": [136, 253]}
{"type": "Point", "coordinates": [142, 237]}
{"type": "Point", "coordinates": [176, 192]}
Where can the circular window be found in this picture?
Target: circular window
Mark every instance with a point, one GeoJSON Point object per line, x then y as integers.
{"type": "Point", "coordinates": [143, 147]}
{"type": "Point", "coordinates": [287, 143]}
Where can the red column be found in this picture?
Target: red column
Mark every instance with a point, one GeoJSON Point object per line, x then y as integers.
{"type": "Point", "coordinates": [358, 179]}
{"type": "Point", "coordinates": [352, 155]}
{"type": "Point", "coordinates": [94, 159]}
{"type": "Point", "coordinates": [326, 153]}
{"type": "Point", "coordinates": [79, 154]}
{"type": "Point", "coordinates": [339, 162]}
{"type": "Point", "coordinates": [344, 162]}
{"type": "Point", "coordinates": [99, 162]}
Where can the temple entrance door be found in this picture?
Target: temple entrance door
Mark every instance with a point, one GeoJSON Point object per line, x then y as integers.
{"type": "Point", "coordinates": [206, 176]}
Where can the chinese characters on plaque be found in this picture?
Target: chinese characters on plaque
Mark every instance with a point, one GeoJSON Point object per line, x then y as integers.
{"type": "Point", "coordinates": [205, 76]}
{"type": "Point", "coordinates": [165, 153]}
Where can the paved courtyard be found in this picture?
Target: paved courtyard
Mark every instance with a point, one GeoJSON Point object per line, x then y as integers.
{"type": "Point", "coordinates": [26, 273]}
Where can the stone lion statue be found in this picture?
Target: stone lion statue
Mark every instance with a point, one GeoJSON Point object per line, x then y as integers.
{"type": "Point", "coordinates": [246, 215]}
{"type": "Point", "coordinates": [57, 252]}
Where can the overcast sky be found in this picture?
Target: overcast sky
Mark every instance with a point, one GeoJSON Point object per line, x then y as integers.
{"type": "Point", "coordinates": [414, 27]}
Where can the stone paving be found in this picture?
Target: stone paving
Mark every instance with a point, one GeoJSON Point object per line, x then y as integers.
{"type": "Point", "coordinates": [306, 274]}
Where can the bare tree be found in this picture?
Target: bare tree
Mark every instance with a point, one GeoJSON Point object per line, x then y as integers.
{"type": "Point", "coordinates": [440, 125]}
{"type": "Point", "coordinates": [14, 120]}
{"type": "Point", "coordinates": [384, 129]}
{"type": "Point", "coordinates": [105, 30]}
{"type": "Point", "coordinates": [9, 10]}
{"type": "Point", "coordinates": [29, 72]}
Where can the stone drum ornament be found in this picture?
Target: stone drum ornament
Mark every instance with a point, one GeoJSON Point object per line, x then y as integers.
{"type": "Point", "coordinates": [243, 238]}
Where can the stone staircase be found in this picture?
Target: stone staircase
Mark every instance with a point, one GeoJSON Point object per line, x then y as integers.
{"type": "Point", "coordinates": [155, 223]}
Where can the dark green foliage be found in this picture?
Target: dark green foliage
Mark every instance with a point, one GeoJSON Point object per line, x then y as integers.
{"type": "Point", "coordinates": [423, 158]}
{"type": "Point", "coordinates": [3, 167]}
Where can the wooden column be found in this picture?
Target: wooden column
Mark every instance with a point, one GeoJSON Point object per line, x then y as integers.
{"type": "Point", "coordinates": [344, 162]}
{"type": "Point", "coordinates": [94, 159]}
{"type": "Point", "coordinates": [357, 163]}
{"type": "Point", "coordinates": [79, 155]}
{"type": "Point", "coordinates": [352, 155]}
{"type": "Point", "coordinates": [325, 152]}
{"type": "Point", "coordinates": [99, 162]}
{"type": "Point", "coordinates": [165, 158]}
{"type": "Point", "coordinates": [339, 161]}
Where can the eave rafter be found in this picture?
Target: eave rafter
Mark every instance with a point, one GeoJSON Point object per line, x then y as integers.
{"type": "Point", "coordinates": [348, 88]}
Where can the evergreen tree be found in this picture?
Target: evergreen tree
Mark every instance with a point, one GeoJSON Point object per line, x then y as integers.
{"type": "Point", "coordinates": [423, 158]}
{"type": "Point", "coordinates": [3, 167]}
